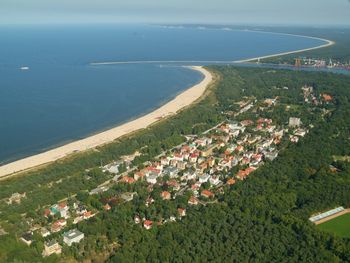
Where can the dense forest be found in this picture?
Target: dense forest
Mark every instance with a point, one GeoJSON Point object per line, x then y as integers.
{"type": "Point", "coordinates": [261, 219]}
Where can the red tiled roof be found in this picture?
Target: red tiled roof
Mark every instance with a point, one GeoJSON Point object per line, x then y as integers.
{"type": "Point", "coordinates": [239, 148]}
{"type": "Point", "coordinates": [172, 183]}
{"type": "Point", "coordinates": [148, 223]}
{"type": "Point", "coordinates": [185, 148]}
{"type": "Point", "coordinates": [87, 214]}
{"type": "Point", "coordinates": [181, 211]}
{"type": "Point", "coordinates": [193, 200]}
{"type": "Point", "coordinates": [127, 179]}
{"type": "Point", "coordinates": [107, 207]}
{"type": "Point", "coordinates": [207, 193]}
{"type": "Point", "coordinates": [242, 174]}
{"type": "Point", "coordinates": [257, 156]}
{"type": "Point", "coordinates": [327, 97]}
{"type": "Point", "coordinates": [246, 122]}
{"type": "Point", "coordinates": [194, 155]}
{"type": "Point", "coordinates": [231, 181]}
{"type": "Point", "coordinates": [195, 187]}
{"type": "Point", "coordinates": [140, 174]}
{"type": "Point", "coordinates": [165, 195]}
{"type": "Point", "coordinates": [47, 212]}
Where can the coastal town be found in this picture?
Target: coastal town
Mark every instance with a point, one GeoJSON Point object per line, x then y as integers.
{"type": "Point", "coordinates": [195, 173]}
{"type": "Point", "coordinates": [321, 63]}
{"type": "Point", "coordinates": [174, 131]}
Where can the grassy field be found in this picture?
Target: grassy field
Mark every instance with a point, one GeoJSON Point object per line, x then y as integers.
{"type": "Point", "coordinates": [340, 226]}
{"type": "Point", "coordinates": [341, 158]}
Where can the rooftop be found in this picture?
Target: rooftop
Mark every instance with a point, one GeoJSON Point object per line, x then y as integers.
{"type": "Point", "coordinates": [71, 234]}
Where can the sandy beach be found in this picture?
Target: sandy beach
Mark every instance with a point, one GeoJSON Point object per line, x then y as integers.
{"type": "Point", "coordinates": [182, 100]}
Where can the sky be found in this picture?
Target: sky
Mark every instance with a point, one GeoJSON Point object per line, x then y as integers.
{"type": "Point", "coordinates": [257, 12]}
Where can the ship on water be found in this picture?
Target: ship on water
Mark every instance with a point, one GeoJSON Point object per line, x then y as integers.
{"type": "Point", "coordinates": [24, 68]}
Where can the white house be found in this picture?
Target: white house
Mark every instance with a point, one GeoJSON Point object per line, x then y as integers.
{"type": "Point", "coordinates": [214, 180]}
{"type": "Point", "coordinates": [294, 122]}
{"type": "Point", "coordinates": [72, 236]}
{"type": "Point", "coordinates": [203, 178]}
{"type": "Point", "coordinates": [152, 179]}
{"type": "Point", "coordinates": [171, 171]}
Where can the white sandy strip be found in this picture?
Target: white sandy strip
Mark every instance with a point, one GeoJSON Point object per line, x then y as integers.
{"type": "Point", "coordinates": [182, 100]}
{"type": "Point", "coordinates": [158, 62]}
{"type": "Point", "coordinates": [327, 44]}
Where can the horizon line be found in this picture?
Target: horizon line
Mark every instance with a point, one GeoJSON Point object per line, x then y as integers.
{"type": "Point", "coordinates": [307, 25]}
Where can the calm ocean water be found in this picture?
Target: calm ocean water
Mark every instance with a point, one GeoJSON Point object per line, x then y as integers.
{"type": "Point", "coordinates": [62, 98]}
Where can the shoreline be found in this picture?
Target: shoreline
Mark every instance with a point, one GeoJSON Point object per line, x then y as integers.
{"type": "Point", "coordinates": [327, 44]}
{"type": "Point", "coordinates": [181, 101]}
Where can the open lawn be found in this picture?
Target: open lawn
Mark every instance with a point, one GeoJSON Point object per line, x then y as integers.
{"type": "Point", "coordinates": [340, 226]}
{"type": "Point", "coordinates": [341, 158]}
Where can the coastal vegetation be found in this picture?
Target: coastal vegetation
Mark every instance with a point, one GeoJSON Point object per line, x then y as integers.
{"type": "Point", "coordinates": [262, 219]}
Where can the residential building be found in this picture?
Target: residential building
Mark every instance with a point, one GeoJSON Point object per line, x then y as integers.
{"type": "Point", "coordinates": [88, 215]}
{"type": "Point", "coordinates": [147, 224]}
{"type": "Point", "coordinates": [112, 168]}
{"type": "Point", "coordinates": [209, 150]}
{"type": "Point", "coordinates": [149, 201]}
{"type": "Point", "coordinates": [44, 232]}
{"type": "Point", "coordinates": [231, 181]}
{"type": "Point", "coordinates": [16, 198]}
{"type": "Point", "coordinates": [139, 176]}
{"type": "Point", "coordinates": [51, 247]}
{"type": "Point", "coordinates": [203, 178]}
{"type": "Point", "coordinates": [294, 122]}
{"type": "Point", "coordinates": [193, 158]}
{"type": "Point", "coordinates": [181, 165]}
{"type": "Point", "coordinates": [107, 207]}
{"type": "Point", "coordinates": [193, 201]}
{"type": "Point", "coordinates": [327, 97]}
{"type": "Point", "coordinates": [271, 155]}
{"type": "Point", "coordinates": [63, 209]}
{"type": "Point", "coordinates": [171, 171]}
{"type": "Point", "coordinates": [300, 132]}
{"type": "Point", "coordinates": [137, 219]}
{"type": "Point", "coordinates": [127, 196]}
{"type": "Point", "coordinates": [181, 212]}
{"type": "Point", "coordinates": [152, 179]}
{"type": "Point", "coordinates": [294, 139]}
{"type": "Point", "coordinates": [27, 238]}
{"type": "Point", "coordinates": [72, 236]}
{"type": "Point", "coordinates": [214, 180]}
{"type": "Point", "coordinates": [128, 180]}
{"type": "Point", "coordinates": [207, 194]}
{"type": "Point", "coordinates": [165, 195]}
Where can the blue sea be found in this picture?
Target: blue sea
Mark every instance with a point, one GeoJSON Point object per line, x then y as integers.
{"type": "Point", "coordinates": [62, 97]}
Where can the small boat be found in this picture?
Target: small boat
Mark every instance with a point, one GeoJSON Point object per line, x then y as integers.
{"type": "Point", "coordinates": [24, 68]}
